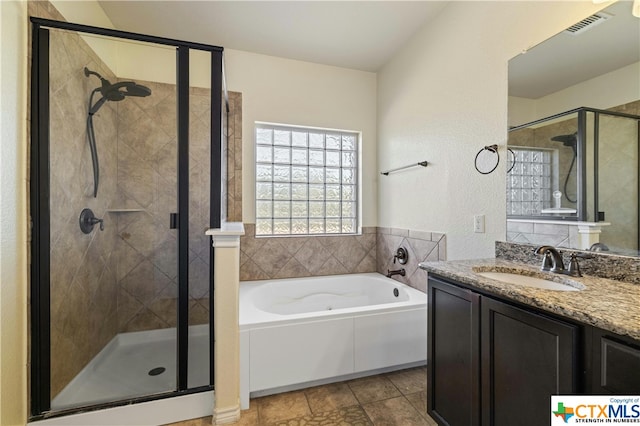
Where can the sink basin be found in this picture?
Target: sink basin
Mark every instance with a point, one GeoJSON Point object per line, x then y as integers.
{"type": "Point", "coordinates": [530, 281]}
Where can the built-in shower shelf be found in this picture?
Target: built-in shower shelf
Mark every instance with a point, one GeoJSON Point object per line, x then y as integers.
{"type": "Point", "coordinates": [124, 210]}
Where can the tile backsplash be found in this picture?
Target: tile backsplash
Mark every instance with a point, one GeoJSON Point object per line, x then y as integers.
{"type": "Point", "coordinates": [294, 257]}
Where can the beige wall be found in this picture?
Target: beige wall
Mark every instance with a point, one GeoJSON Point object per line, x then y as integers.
{"type": "Point", "coordinates": [441, 99]}
{"type": "Point", "coordinates": [617, 87]}
{"type": "Point", "coordinates": [285, 91]}
{"type": "Point", "coordinates": [13, 213]}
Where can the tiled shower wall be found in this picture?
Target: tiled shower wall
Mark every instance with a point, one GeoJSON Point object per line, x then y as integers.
{"type": "Point", "coordinates": [234, 158]}
{"type": "Point", "coordinates": [83, 285]}
{"type": "Point", "coordinates": [294, 257]}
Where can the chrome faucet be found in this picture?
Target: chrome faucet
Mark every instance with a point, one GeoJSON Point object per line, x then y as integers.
{"type": "Point", "coordinates": [552, 260]}
{"type": "Point", "coordinates": [396, 272]}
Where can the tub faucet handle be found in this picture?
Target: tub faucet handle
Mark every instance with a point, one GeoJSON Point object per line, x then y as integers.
{"type": "Point", "coordinates": [401, 256]}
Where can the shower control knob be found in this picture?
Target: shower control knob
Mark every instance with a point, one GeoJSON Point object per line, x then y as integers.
{"type": "Point", "coordinates": [88, 220]}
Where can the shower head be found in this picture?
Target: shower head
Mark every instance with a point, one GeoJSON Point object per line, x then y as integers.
{"type": "Point", "coordinates": [567, 140]}
{"type": "Point", "coordinates": [115, 92]}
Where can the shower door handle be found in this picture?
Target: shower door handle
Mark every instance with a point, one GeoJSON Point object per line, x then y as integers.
{"type": "Point", "coordinates": [173, 220]}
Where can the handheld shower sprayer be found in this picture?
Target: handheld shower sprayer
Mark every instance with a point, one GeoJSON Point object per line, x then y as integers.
{"type": "Point", "coordinates": [110, 92]}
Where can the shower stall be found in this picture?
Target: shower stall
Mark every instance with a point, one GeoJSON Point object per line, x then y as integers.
{"type": "Point", "coordinates": [127, 146]}
{"type": "Point", "coordinates": [582, 165]}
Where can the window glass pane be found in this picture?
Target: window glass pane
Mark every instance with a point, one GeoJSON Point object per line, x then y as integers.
{"type": "Point", "coordinates": [281, 209]}
{"type": "Point", "coordinates": [264, 191]}
{"type": "Point", "coordinates": [316, 226]}
{"type": "Point", "coordinates": [316, 158]}
{"type": "Point", "coordinates": [299, 139]}
{"type": "Point", "coordinates": [281, 191]}
{"type": "Point", "coordinates": [264, 172]}
{"type": "Point", "coordinates": [332, 175]}
{"type": "Point", "coordinates": [348, 225]}
{"type": "Point", "coordinates": [333, 192]}
{"type": "Point", "coordinates": [281, 137]}
{"type": "Point", "coordinates": [316, 140]}
{"type": "Point", "coordinates": [348, 209]}
{"type": "Point", "coordinates": [299, 174]}
{"type": "Point", "coordinates": [333, 159]}
{"type": "Point", "coordinates": [348, 192]}
{"type": "Point", "coordinates": [282, 155]}
{"type": "Point", "coordinates": [333, 226]}
{"type": "Point", "coordinates": [263, 226]}
{"type": "Point", "coordinates": [299, 156]}
{"type": "Point", "coordinates": [333, 209]}
{"type": "Point", "coordinates": [348, 176]}
{"type": "Point", "coordinates": [263, 208]}
{"type": "Point", "coordinates": [264, 136]}
{"type": "Point", "coordinates": [348, 142]}
{"type": "Point", "coordinates": [299, 191]}
{"type": "Point", "coordinates": [281, 226]}
{"type": "Point", "coordinates": [281, 174]}
{"type": "Point", "coordinates": [348, 159]}
{"type": "Point", "coordinates": [316, 209]}
{"type": "Point", "coordinates": [316, 192]}
{"type": "Point", "coordinates": [316, 175]}
{"type": "Point", "coordinates": [299, 209]}
{"type": "Point", "coordinates": [299, 226]}
{"type": "Point", "coordinates": [306, 181]}
{"type": "Point", "coordinates": [264, 154]}
{"type": "Point", "coordinates": [333, 141]}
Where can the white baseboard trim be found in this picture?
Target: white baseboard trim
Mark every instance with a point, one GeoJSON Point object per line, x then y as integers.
{"type": "Point", "coordinates": [226, 416]}
{"type": "Point", "coordinates": [152, 413]}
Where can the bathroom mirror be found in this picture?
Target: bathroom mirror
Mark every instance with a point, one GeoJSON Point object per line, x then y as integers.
{"type": "Point", "coordinates": [574, 119]}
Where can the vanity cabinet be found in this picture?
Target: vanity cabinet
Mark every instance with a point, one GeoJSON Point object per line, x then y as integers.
{"type": "Point", "coordinates": [525, 358]}
{"type": "Point", "coordinates": [490, 362]}
{"type": "Point", "coordinates": [453, 332]}
{"type": "Point", "coordinates": [616, 364]}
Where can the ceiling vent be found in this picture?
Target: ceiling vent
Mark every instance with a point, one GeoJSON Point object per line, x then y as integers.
{"type": "Point", "coordinates": [588, 23]}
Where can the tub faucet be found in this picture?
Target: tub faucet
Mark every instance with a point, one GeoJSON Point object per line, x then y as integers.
{"type": "Point", "coordinates": [396, 272]}
{"type": "Point", "coordinates": [552, 260]}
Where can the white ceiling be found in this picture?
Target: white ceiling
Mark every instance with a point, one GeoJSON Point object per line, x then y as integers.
{"type": "Point", "coordinates": [361, 35]}
{"type": "Point", "coordinates": [565, 60]}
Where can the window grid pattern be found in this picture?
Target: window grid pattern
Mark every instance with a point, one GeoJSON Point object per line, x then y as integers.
{"type": "Point", "coordinates": [529, 182]}
{"type": "Point", "coordinates": [306, 181]}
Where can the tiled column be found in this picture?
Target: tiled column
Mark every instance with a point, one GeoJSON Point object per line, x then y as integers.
{"type": "Point", "coordinates": [226, 243]}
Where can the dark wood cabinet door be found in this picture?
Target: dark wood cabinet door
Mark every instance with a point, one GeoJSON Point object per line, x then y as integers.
{"type": "Point", "coordinates": [453, 355]}
{"type": "Point", "coordinates": [526, 358]}
{"type": "Point", "coordinates": [616, 364]}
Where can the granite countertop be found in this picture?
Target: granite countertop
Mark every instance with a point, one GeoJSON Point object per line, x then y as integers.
{"type": "Point", "coordinates": [607, 304]}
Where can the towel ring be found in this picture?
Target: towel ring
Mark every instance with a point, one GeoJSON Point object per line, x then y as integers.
{"type": "Point", "coordinates": [487, 159]}
{"type": "Point", "coordinates": [512, 160]}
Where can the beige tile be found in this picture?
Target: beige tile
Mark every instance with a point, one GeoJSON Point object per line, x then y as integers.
{"type": "Point", "coordinates": [312, 255]}
{"type": "Point", "coordinates": [272, 257]}
{"type": "Point", "coordinates": [419, 401]}
{"type": "Point", "coordinates": [332, 267]}
{"type": "Point", "coordinates": [292, 269]}
{"type": "Point", "coordinates": [250, 271]}
{"type": "Point", "coordinates": [394, 412]}
{"type": "Point", "coordinates": [409, 381]}
{"type": "Point", "coordinates": [284, 406]}
{"type": "Point", "coordinates": [375, 388]}
{"type": "Point", "coordinates": [330, 397]}
{"type": "Point", "coordinates": [351, 416]}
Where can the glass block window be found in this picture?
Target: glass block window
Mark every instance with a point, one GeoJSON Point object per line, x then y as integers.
{"type": "Point", "coordinates": [306, 181]}
{"type": "Point", "coordinates": [529, 182]}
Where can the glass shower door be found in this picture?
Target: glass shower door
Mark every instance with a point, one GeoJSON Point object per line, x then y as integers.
{"type": "Point", "coordinates": [113, 185]}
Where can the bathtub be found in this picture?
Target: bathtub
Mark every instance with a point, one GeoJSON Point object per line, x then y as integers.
{"type": "Point", "coordinates": [300, 332]}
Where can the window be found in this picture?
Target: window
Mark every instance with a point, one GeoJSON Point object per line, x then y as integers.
{"type": "Point", "coordinates": [306, 181]}
{"type": "Point", "coordinates": [529, 182]}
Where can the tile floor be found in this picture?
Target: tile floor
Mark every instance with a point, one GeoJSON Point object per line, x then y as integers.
{"type": "Point", "coordinates": [392, 399]}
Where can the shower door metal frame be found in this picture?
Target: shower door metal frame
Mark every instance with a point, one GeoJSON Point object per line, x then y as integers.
{"type": "Point", "coordinates": [581, 170]}
{"type": "Point", "coordinates": [40, 213]}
